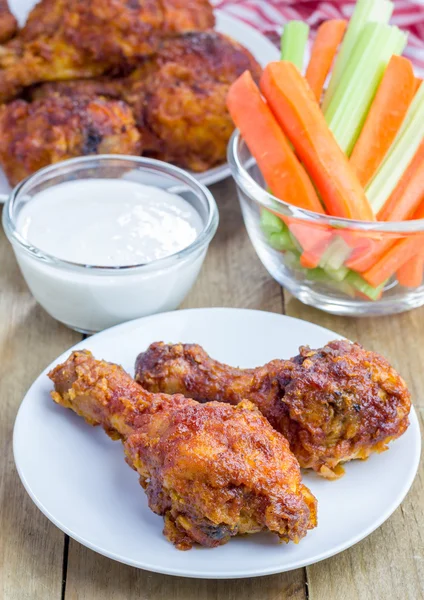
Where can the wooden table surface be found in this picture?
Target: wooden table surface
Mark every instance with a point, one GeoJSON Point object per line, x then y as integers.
{"type": "Point", "coordinates": [38, 562]}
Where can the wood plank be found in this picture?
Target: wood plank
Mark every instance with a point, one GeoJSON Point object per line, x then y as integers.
{"type": "Point", "coordinates": [386, 565]}
{"type": "Point", "coordinates": [31, 548]}
{"type": "Point", "coordinates": [232, 276]}
{"type": "Point", "coordinates": [389, 563]}
{"type": "Point", "coordinates": [96, 578]}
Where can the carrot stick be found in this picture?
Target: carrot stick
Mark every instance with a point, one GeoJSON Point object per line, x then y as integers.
{"type": "Point", "coordinates": [328, 38]}
{"type": "Point", "coordinates": [313, 238]}
{"type": "Point", "coordinates": [409, 192]}
{"type": "Point", "coordinates": [411, 273]}
{"type": "Point", "coordinates": [407, 196]}
{"type": "Point", "coordinates": [297, 111]}
{"type": "Point", "coordinates": [397, 255]}
{"type": "Point", "coordinates": [388, 110]}
{"type": "Point", "coordinates": [280, 167]}
{"type": "Point", "coordinates": [418, 82]}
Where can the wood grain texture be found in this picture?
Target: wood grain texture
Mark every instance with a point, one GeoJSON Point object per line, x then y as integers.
{"type": "Point", "coordinates": [232, 276]}
{"type": "Point", "coordinates": [31, 548]}
{"type": "Point", "coordinates": [389, 564]}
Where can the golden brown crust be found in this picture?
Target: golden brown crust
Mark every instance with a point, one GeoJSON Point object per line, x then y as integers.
{"type": "Point", "coordinates": [33, 135]}
{"type": "Point", "coordinates": [178, 97]}
{"type": "Point", "coordinates": [8, 23]}
{"type": "Point", "coordinates": [65, 39]}
{"type": "Point", "coordinates": [335, 404]}
{"type": "Point", "coordinates": [213, 470]}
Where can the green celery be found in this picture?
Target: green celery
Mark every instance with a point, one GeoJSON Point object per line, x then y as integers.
{"type": "Point", "coordinates": [336, 254]}
{"type": "Point", "coordinates": [293, 42]}
{"type": "Point", "coordinates": [292, 260]}
{"type": "Point", "coordinates": [320, 276]}
{"type": "Point", "coordinates": [281, 241]}
{"type": "Point", "coordinates": [365, 11]}
{"type": "Point", "coordinates": [348, 108]}
{"type": "Point", "coordinates": [362, 286]}
{"type": "Point", "coordinates": [399, 155]}
{"type": "Point", "coordinates": [338, 274]}
{"type": "Point", "coordinates": [275, 231]}
{"type": "Point", "coordinates": [270, 223]}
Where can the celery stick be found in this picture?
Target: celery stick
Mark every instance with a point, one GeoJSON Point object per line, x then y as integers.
{"type": "Point", "coordinates": [293, 42]}
{"type": "Point", "coordinates": [281, 241]}
{"type": "Point", "coordinates": [348, 108]}
{"type": "Point", "coordinates": [365, 11]}
{"type": "Point", "coordinates": [276, 231]}
{"type": "Point", "coordinates": [270, 223]}
{"type": "Point", "coordinates": [292, 260]}
{"type": "Point", "coordinates": [338, 274]}
{"type": "Point", "coordinates": [400, 154]}
{"type": "Point", "coordinates": [336, 254]}
{"type": "Point", "coordinates": [362, 286]}
{"type": "Point", "coordinates": [320, 276]}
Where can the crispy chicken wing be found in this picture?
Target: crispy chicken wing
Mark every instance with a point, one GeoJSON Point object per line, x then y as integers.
{"type": "Point", "coordinates": [178, 97]}
{"type": "Point", "coordinates": [66, 39]}
{"type": "Point", "coordinates": [212, 470]}
{"type": "Point", "coordinates": [333, 405]}
{"type": "Point", "coordinates": [8, 23]}
{"type": "Point", "coordinates": [33, 135]}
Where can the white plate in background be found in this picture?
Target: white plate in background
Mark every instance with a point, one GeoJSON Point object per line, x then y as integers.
{"type": "Point", "coordinates": [78, 478]}
{"type": "Point", "coordinates": [261, 48]}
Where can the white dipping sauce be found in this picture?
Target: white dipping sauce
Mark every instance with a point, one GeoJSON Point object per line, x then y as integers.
{"type": "Point", "coordinates": [109, 223]}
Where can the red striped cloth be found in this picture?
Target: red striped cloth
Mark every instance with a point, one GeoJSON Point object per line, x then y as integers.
{"type": "Point", "coordinates": [269, 15]}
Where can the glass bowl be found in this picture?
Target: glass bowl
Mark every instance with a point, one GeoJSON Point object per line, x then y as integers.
{"type": "Point", "coordinates": [342, 266]}
{"type": "Point", "coordinates": [90, 298]}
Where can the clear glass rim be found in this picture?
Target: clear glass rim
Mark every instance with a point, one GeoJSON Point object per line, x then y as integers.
{"type": "Point", "coordinates": [267, 200]}
{"type": "Point", "coordinates": [156, 166]}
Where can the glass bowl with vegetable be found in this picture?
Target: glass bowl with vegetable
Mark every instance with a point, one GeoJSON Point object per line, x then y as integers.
{"type": "Point", "coordinates": [331, 182]}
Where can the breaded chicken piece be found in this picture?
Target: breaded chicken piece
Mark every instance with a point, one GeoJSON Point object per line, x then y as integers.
{"type": "Point", "coordinates": [34, 135]}
{"type": "Point", "coordinates": [334, 404]}
{"type": "Point", "coordinates": [212, 470]}
{"type": "Point", "coordinates": [67, 39]}
{"type": "Point", "coordinates": [178, 97]}
{"type": "Point", "coordinates": [8, 23]}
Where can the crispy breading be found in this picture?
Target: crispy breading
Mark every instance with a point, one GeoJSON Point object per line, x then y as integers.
{"type": "Point", "coordinates": [8, 23]}
{"type": "Point", "coordinates": [333, 405]}
{"type": "Point", "coordinates": [34, 135]}
{"type": "Point", "coordinates": [178, 97]}
{"type": "Point", "coordinates": [212, 470]}
{"type": "Point", "coordinates": [67, 39]}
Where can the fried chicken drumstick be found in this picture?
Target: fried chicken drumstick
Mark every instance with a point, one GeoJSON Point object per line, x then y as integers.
{"type": "Point", "coordinates": [212, 470]}
{"type": "Point", "coordinates": [178, 97]}
{"type": "Point", "coordinates": [74, 38]}
{"type": "Point", "coordinates": [8, 23]}
{"type": "Point", "coordinates": [334, 404]}
{"type": "Point", "coordinates": [34, 135]}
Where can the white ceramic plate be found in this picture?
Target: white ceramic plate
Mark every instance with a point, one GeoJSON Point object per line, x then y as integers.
{"type": "Point", "coordinates": [78, 478]}
{"type": "Point", "coordinates": [261, 48]}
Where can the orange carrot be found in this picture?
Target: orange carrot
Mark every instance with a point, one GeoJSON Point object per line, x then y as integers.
{"type": "Point", "coordinates": [294, 105]}
{"type": "Point", "coordinates": [279, 165]}
{"type": "Point", "coordinates": [418, 82]}
{"type": "Point", "coordinates": [313, 238]}
{"type": "Point", "coordinates": [388, 110]}
{"type": "Point", "coordinates": [409, 192]}
{"type": "Point", "coordinates": [411, 273]}
{"type": "Point", "coordinates": [328, 38]}
{"type": "Point", "coordinates": [397, 255]}
{"type": "Point", "coordinates": [407, 196]}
